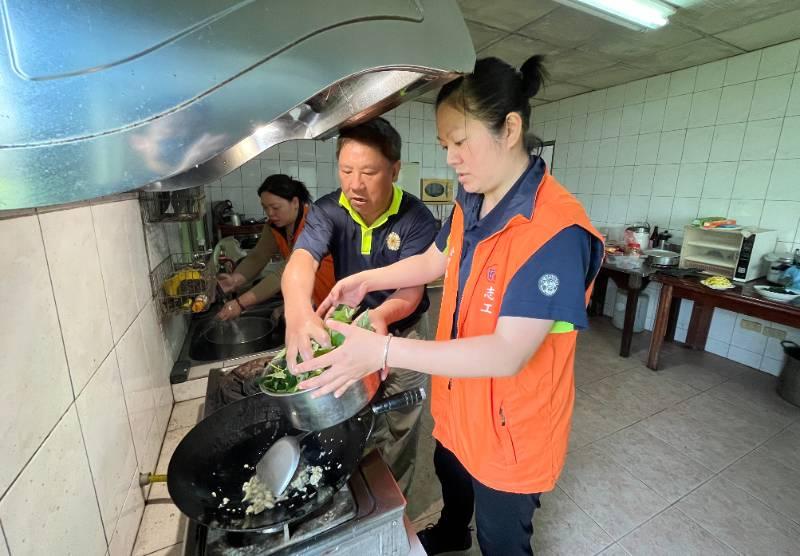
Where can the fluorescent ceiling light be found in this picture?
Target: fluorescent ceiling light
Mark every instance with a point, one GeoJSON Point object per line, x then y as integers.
{"type": "Point", "coordinates": [634, 14]}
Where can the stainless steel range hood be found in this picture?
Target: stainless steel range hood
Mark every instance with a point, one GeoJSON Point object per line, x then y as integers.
{"type": "Point", "coordinates": [103, 96]}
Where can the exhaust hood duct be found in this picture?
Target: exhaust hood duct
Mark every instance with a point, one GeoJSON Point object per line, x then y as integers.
{"type": "Point", "coordinates": [99, 97]}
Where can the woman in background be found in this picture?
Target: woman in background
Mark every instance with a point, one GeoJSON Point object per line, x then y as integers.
{"type": "Point", "coordinates": [286, 202]}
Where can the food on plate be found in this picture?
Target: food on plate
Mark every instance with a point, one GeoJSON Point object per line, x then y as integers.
{"type": "Point", "coordinates": [713, 222]}
{"type": "Point", "coordinates": [277, 379]}
{"type": "Point", "coordinates": [717, 283]}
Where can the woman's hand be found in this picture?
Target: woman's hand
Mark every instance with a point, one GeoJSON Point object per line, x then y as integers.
{"type": "Point", "coordinates": [231, 310]}
{"type": "Point", "coordinates": [359, 355]}
{"type": "Point", "coordinates": [350, 291]}
{"type": "Point", "coordinates": [229, 282]}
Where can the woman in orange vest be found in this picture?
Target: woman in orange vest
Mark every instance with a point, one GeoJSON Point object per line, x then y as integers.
{"type": "Point", "coordinates": [519, 256]}
{"type": "Point", "coordinates": [286, 202]}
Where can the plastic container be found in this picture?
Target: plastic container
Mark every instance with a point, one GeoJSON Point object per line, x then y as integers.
{"type": "Point", "coordinates": [621, 301]}
{"type": "Point", "coordinates": [789, 380]}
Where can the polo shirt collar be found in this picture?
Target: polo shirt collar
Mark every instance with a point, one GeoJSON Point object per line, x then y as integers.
{"type": "Point", "coordinates": [366, 231]}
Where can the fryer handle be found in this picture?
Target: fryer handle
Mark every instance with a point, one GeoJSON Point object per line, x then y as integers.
{"type": "Point", "coordinates": [409, 398]}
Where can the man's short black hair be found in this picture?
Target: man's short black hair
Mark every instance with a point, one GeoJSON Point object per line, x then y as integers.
{"type": "Point", "coordinates": [377, 133]}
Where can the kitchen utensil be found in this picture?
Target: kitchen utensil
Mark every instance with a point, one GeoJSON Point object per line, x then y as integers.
{"type": "Point", "coordinates": [259, 332]}
{"type": "Point", "coordinates": [221, 452]}
{"type": "Point", "coordinates": [764, 291]}
{"type": "Point", "coordinates": [661, 258]}
{"type": "Point", "coordinates": [237, 331]}
{"type": "Point", "coordinates": [279, 464]}
{"type": "Point", "coordinates": [777, 263]}
{"type": "Point", "coordinates": [313, 414]}
{"type": "Point", "coordinates": [637, 234]}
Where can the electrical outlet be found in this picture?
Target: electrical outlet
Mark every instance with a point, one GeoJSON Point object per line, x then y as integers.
{"type": "Point", "coordinates": [751, 325]}
{"type": "Point", "coordinates": [776, 333]}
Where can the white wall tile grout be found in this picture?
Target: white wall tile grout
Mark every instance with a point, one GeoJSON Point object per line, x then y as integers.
{"type": "Point", "coordinates": [36, 451]}
{"type": "Point", "coordinates": [106, 534]}
{"type": "Point", "coordinates": [55, 304]}
{"type": "Point", "coordinates": [4, 538]}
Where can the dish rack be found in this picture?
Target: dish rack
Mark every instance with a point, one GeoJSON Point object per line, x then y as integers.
{"type": "Point", "coordinates": [179, 282]}
{"type": "Point", "coordinates": [181, 205]}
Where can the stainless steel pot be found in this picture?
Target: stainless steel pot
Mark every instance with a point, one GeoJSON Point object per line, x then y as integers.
{"type": "Point", "coordinates": [314, 414]}
{"type": "Point", "coordinates": [661, 258]}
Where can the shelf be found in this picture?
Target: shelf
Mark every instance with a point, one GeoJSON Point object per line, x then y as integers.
{"type": "Point", "coordinates": [710, 245]}
{"type": "Point", "coordinates": [716, 261]}
{"type": "Point", "coordinates": [183, 205]}
{"type": "Point", "coordinates": [179, 279]}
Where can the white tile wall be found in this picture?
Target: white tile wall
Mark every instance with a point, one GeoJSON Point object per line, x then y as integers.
{"type": "Point", "coordinates": [90, 335]}
{"type": "Point", "coordinates": [3, 546]}
{"type": "Point", "coordinates": [30, 342]}
{"type": "Point", "coordinates": [137, 383]}
{"type": "Point", "coordinates": [124, 536]}
{"type": "Point", "coordinates": [730, 129]}
{"type": "Point", "coordinates": [50, 508]}
{"type": "Point", "coordinates": [721, 138]}
{"type": "Point", "coordinates": [124, 269]}
{"type": "Point", "coordinates": [74, 263]}
{"type": "Point", "coordinates": [107, 433]}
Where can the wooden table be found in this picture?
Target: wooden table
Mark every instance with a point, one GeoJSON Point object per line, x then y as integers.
{"type": "Point", "coordinates": [632, 281]}
{"type": "Point", "coordinates": [742, 299]}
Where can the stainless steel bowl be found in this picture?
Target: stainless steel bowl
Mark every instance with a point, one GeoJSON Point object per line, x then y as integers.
{"type": "Point", "coordinates": [314, 414]}
{"type": "Point", "coordinates": [661, 258]}
{"type": "Point", "coordinates": [238, 331]}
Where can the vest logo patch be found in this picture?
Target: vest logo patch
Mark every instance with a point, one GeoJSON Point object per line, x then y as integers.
{"type": "Point", "coordinates": [491, 274]}
{"type": "Point", "coordinates": [548, 284]}
{"type": "Point", "coordinates": [393, 241]}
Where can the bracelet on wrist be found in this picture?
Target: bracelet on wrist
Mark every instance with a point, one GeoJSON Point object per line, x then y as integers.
{"type": "Point", "coordinates": [386, 350]}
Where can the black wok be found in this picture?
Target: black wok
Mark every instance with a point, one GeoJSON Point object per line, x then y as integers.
{"type": "Point", "coordinates": [220, 453]}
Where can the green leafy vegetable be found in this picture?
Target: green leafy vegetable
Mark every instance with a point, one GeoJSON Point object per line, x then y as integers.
{"type": "Point", "coordinates": [277, 379]}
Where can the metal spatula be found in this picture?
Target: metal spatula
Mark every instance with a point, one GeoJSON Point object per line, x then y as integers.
{"type": "Point", "coordinates": [278, 465]}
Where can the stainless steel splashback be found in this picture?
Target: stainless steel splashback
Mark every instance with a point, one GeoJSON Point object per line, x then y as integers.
{"type": "Point", "coordinates": [103, 96]}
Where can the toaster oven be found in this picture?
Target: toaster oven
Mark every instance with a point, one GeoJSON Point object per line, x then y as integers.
{"type": "Point", "coordinates": [734, 253]}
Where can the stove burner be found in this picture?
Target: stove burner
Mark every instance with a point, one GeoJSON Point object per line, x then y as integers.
{"type": "Point", "coordinates": [341, 508]}
{"type": "Point", "coordinates": [363, 517]}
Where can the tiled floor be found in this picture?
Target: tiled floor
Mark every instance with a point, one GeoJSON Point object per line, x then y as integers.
{"type": "Point", "coordinates": [702, 457]}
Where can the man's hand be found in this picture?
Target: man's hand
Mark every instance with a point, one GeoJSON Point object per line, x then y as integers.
{"type": "Point", "coordinates": [300, 330]}
{"type": "Point", "coordinates": [229, 282]}
{"type": "Point", "coordinates": [350, 291]}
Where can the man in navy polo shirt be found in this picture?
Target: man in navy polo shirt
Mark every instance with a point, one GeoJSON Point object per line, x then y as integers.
{"type": "Point", "coordinates": [369, 223]}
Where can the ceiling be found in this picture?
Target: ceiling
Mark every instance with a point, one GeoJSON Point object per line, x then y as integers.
{"type": "Point", "coordinates": [585, 53]}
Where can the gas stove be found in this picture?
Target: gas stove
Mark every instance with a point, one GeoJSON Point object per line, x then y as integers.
{"type": "Point", "coordinates": [364, 517]}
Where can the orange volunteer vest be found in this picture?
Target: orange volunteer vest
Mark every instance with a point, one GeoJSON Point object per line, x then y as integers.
{"type": "Point", "coordinates": [324, 279]}
{"type": "Point", "coordinates": [510, 433]}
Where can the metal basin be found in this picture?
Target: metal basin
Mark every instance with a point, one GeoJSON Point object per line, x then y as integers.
{"type": "Point", "coordinates": [238, 331]}
{"type": "Point", "coordinates": [214, 340]}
